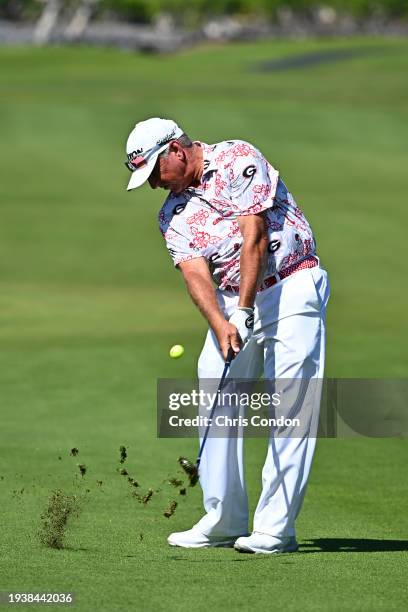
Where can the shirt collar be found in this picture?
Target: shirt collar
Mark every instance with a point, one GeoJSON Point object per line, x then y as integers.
{"type": "Point", "coordinates": [209, 166]}
{"type": "Point", "coordinates": [209, 158]}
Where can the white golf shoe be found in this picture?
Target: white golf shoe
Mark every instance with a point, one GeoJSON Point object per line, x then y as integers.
{"type": "Point", "coordinates": [265, 544]}
{"type": "Point", "coordinates": [195, 539]}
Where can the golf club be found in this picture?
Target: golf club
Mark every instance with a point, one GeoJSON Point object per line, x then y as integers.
{"type": "Point", "coordinates": [190, 468]}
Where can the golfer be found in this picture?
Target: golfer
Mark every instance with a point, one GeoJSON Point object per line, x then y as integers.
{"type": "Point", "coordinates": [248, 258]}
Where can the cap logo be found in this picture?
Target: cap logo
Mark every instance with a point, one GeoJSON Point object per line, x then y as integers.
{"type": "Point", "coordinates": [134, 154]}
{"type": "Point", "coordinates": [167, 138]}
{"type": "Point", "coordinates": [135, 160]}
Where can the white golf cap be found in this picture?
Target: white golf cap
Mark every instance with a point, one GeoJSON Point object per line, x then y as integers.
{"type": "Point", "coordinates": [145, 143]}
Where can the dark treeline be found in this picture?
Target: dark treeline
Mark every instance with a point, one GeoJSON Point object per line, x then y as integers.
{"type": "Point", "coordinates": [193, 12]}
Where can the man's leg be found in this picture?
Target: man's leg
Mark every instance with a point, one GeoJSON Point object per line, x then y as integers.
{"type": "Point", "coordinates": [294, 357]}
{"type": "Point", "coordinates": [222, 466]}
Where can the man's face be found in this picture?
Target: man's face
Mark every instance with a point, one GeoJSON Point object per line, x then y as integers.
{"type": "Point", "coordinates": [170, 172]}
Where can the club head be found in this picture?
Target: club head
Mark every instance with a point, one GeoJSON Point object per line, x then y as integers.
{"type": "Point", "coordinates": [190, 469]}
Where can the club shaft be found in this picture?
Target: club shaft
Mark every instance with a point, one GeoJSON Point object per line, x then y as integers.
{"type": "Point", "coordinates": [230, 357]}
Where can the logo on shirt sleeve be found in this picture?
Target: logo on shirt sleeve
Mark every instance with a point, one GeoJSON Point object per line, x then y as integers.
{"type": "Point", "coordinates": [249, 171]}
{"type": "Point", "coordinates": [179, 208]}
{"type": "Point", "coordinates": [273, 246]}
{"type": "Point", "coordinates": [243, 181]}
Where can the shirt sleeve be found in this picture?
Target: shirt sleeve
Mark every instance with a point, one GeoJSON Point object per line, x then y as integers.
{"type": "Point", "coordinates": [252, 180]}
{"type": "Point", "coordinates": [176, 236]}
{"type": "Point", "coordinates": [179, 248]}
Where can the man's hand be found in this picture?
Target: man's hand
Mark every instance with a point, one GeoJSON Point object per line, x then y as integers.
{"type": "Point", "coordinates": [227, 336]}
{"type": "Point", "coordinates": [243, 319]}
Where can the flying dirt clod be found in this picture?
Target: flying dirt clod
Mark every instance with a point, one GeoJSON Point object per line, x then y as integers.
{"type": "Point", "coordinates": [175, 482]}
{"type": "Point", "coordinates": [190, 469]}
{"type": "Point", "coordinates": [170, 510]}
{"type": "Point", "coordinates": [143, 499]}
{"type": "Point", "coordinates": [133, 482]}
{"type": "Point", "coordinates": [123, 454]}
{"type": "Point", "coordinates": [61, 507]}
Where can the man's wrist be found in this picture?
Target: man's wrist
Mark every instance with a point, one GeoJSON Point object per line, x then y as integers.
{"type": "Point", "coordinates": [218, 322]}
{"type": "Point", "coordinates": [247, 309]}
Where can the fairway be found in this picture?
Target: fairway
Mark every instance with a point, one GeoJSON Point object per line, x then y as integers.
{"type": "Point", "coordinates": [90, 305]}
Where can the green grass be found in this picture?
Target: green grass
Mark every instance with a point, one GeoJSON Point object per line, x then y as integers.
{"type": "Point", "coordinates": [89, 305]}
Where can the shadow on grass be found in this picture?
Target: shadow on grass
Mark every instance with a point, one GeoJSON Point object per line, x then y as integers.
{"type": "Point", "coordinates": [321, 545]}
{"type": "Point", "coordinates": [352, 545]}
{"type": "Point", "coordinates": [207, 560]}
{"type": "Point", "coordinates": [315, 58]}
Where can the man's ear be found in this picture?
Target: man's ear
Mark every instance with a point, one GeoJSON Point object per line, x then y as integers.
{"type": "Point", "coordinates": [175, 147]}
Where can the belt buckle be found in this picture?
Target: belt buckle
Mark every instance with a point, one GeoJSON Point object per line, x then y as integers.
{"type": "Point", "coordinates": [271, 281]}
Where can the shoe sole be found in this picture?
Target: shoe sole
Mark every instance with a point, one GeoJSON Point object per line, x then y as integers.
{"type": "Point", "coordinates": [222, 544]}
{"type": "Point", "coordinates": [276, 551]}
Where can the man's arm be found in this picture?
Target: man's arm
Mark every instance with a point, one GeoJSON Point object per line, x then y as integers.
{"type": "Point", "coordinates": [201, 289]}
{"type": "Point", "coordinates": [253, 257]}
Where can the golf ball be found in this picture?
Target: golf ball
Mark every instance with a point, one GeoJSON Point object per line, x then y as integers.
{"type": "Point", "coordinates": [176, 351]}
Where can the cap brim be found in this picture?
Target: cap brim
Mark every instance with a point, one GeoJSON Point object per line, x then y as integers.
{"type": "Point", "coordinates": [141, 175]}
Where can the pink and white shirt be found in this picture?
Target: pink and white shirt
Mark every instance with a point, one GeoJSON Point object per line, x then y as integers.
{"type": "Point", "coordinates": [202, 222]}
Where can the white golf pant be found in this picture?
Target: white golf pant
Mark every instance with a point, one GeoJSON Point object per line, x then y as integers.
{"type": "Point", "coordinates": [288, 343]}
